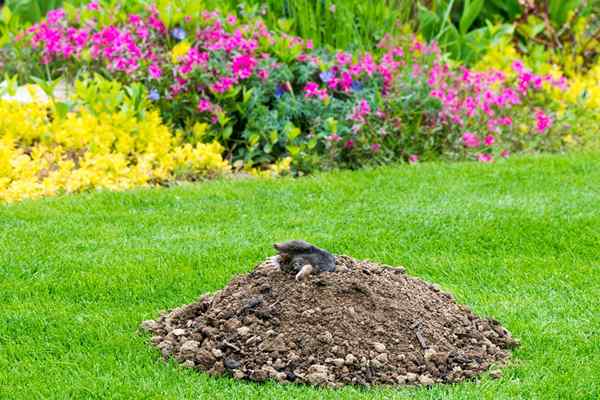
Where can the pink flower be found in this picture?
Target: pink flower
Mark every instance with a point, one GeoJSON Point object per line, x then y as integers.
{"type": "Point", "coordinates": [349, 144]}
{"type": "Point", "coordinates": [485, 158]}
{"type": "Point", "coordinates": [345, 82]}
{"type": "Point", "coordinates": [334, 137]}
{"type": "Point", "coordinates": [263, 74]}
{"type": "Point", "coordinates": [223, 85]}
{"type": "Point", "coordinates": [489, 140]}
{"type": "Point", "coordinates": [93, 6]}
{"type": "Point", "coordinates": [231, 19]}
{"type": "Point", "coordinates": [518, 66]}
{"type": "Point", "coordinates": [204, 105]}
{"type": "Point", "coordinates": [470, 140]}
{"type": "Point", "coordinates": [375, 147]}
{"type": "Point", "coordinates": [154, 71]}
{"type": "Point", "coordinates": [542, 121]}
{"type": "Point", "coordinates": [504, 153]}
{"type": "Point", "coordinates": [417, 46]}
{"type": "Point", "coordinates": [343, 58]}
{"type": "Point", "coordinates": [367, 64]}
{"type": "Point", "coordinates": [361, 110]}
{"type": "Point", "coordinates": [156, 24]}
{"type": "Point", "coordinates": [243, 66]}
{"type": "Point", "coordinates": [413, 159]}
{"type": "Point", "coordinates": [312, 90]}
{"type": "Point", "coordinates": [365, 108]}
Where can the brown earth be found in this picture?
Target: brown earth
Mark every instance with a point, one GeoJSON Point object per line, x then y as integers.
{"type": "Point", "coordinates": [364, 324]}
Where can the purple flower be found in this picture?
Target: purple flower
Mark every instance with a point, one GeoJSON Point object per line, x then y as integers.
{"type": "Point", "coordinates": [154, 95]}
{"type": "Point", "coordinates": [178, 33]}
{"type": "Point", "coordinates": [357, 86]}
{"type": "Point", "coordinates": [279, 91]}
{"type": "Point", "coordinates": [326, 76]}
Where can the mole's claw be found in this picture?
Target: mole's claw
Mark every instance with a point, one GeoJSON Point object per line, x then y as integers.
{"type": "Point", "coordinates": [304, 272]}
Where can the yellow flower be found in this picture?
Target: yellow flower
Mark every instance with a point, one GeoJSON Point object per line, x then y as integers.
{"type": "Point", "coordinates": [180, 50]}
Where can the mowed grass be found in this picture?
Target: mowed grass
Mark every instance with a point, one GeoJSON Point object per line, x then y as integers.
{"type": "Point", "coordinates": [518, 241]}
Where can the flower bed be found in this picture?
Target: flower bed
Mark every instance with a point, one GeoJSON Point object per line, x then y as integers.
{"type": "Point", "coordinates": [272, 99]}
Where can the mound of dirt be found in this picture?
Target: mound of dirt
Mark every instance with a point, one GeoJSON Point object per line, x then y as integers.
{"type": "Point", "coordinates": [364, 324]}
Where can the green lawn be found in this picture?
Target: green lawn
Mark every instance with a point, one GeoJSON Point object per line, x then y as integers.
{"type": "Point", "coordinates": [518, 241]}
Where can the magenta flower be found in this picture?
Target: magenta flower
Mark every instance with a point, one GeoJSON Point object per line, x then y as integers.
{"type": "Point", "coordinates": [223, 85]}
{"type": "Point", "coordinates": [231, 19]}
{"type": "Point", "coordinates": [489, 140]}
{"type": "Point", "coordinates": [343, 58]}
{"type": "Point", "coordinates": [263, 74]}
{"type": "Point", "coordinates": [204, 105]}
{"type": "Point", "coordinates": [365, 108]}
{"type": "Point", "coordinates": [485, 158]}
{"type": "Point", "coordinates": [504, 153]}
{"type": "Point", "coordinates": [542, 121]}
{"type": "Point", "coordinates": [154, 71]}
{"type": "Point", "coordinates": [375, 147]}
{"type": "Point", "coordinates": [368, 65]}
{"type": "Point", "coordinates": [156, 24]}
{"type": "Point", "coordinates": [93, 6]}
{"type": "Point", "coordinates": [518, 66]}
{"type": "Point", "coordinates": [312, 90]}
{"type": "Point", "coordinates": [349, 144]}
{"type": "Point", "coordinates": [470, 140]}
{"type": "Point", "coordinates": [413, 159]}
{"type": "Point", "coordinates": [345, 83]}
{"type": "Point", "coordinates": [243, 66]}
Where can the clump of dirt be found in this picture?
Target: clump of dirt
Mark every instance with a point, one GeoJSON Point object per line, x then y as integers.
{"type": "Point", "coordinates": [364, 324]}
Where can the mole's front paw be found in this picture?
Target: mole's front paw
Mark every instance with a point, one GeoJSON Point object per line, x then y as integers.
{"type": "Point", "coordinates": [304, 272]}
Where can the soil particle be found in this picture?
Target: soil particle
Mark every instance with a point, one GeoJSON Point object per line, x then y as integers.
{"type": "Point", "coordinates": [365, 324]}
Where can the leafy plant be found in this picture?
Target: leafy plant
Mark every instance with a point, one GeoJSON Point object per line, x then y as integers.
{"type": "Point", "coordinates": [462, 42]}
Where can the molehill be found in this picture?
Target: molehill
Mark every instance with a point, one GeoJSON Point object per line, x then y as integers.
{"type": "Point", "coordinates": [364, 324]}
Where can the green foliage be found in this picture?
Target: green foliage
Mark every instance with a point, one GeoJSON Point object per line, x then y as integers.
{"type": "Point", "coordinates": [459, 38]}
{"type": "Point", "coordinates": [33, 10]}
{"type": "Point", "coordinates": [558, 10]}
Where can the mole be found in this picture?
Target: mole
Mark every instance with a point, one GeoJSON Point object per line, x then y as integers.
{"type": "Point", "coordinates": [303, 258]}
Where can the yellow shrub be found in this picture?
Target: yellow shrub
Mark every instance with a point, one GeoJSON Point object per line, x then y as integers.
{"type": "Point", "coordinates": [42, 155]}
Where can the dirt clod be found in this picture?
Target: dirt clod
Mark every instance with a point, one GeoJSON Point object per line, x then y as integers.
{"type": "Point", "coordinates": [365, 324]}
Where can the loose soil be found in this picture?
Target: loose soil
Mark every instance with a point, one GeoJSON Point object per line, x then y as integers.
{"type": "Point", "coordinates": [365, 324]}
